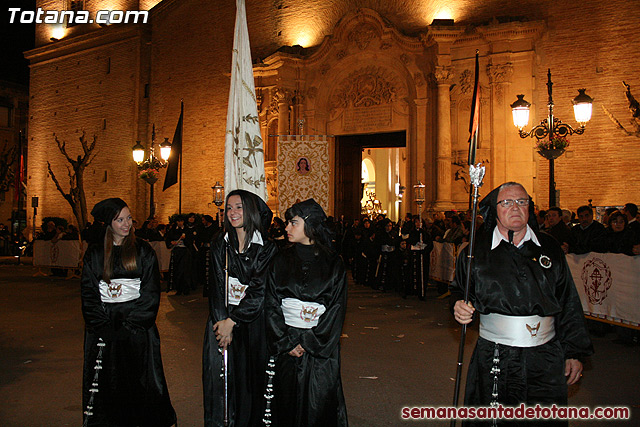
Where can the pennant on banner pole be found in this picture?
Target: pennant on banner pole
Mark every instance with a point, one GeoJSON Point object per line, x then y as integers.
{"type": "Point", "coordinates": [176, 153]}
{"type": "Point", "coordinates": [244, 155]}
{"type": "Point", "coordinates": [474, 122]}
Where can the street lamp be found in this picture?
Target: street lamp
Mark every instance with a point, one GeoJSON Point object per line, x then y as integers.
{"type": "Point", "coordinates": [218, 199]}
{"type": "Point", "coordinates": [419, 196]}
{"type": "Point", "coordinates": [151, 166]}
{"type": "Point", "coordinates": [552, 128]}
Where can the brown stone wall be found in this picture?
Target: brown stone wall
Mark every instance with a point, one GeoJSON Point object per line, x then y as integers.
{"type": "Point", "coordinates": [194, 66]}
{"type": "Point", "coordinates": [593, 45]}
{"type": "Point", "coordinates": [96, 91]}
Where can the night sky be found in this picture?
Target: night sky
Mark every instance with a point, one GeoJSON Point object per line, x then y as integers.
{"type": "Point", "coordinates": [14, 40]}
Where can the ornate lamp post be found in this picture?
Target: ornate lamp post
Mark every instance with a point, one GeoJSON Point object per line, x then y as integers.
{"type": "Point", "coordinates": [218, 199]}
{"type": "Point", "coordinates": [419, 197]}
{"type": "Point", "coordinates": [150, 167]}
{"type": "Point", "coordinates": [552, 128]}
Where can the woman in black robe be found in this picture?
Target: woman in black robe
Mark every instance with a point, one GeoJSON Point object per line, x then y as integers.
{"type": "Point", "coordinates": [306, 303]}
{"type": "Point", "coordinates": [238, 328]}
{"type": "Point", "coordinates": [120, 297]}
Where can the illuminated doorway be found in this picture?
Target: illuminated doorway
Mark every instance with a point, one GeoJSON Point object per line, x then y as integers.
{"type": "Point", "coordinates": [367, 164]}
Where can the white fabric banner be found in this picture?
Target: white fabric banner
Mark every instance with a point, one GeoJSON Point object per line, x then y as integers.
{"type": "Point", "coordinates": [244, 155]}
{"type": "Point", "coordinates": [163, 254]}
{"type": "Point", "coordinates": [443, 261]}
{"type": "Point", "coordinates": [608, 285]}
{"type": "Point", "coordinates": [63, 253]}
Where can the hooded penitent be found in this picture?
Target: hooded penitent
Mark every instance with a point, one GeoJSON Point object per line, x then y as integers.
{"type": "Point", "coordinates": [488, 208]}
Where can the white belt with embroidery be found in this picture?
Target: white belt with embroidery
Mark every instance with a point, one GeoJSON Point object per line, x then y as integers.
{"type": "Point", "coordinates": [237, 291]}
{"type": "Point", "coordinates": [517, 331]}
{"type": "Point", "coordinates": [119, 290]}
{"type": "Point", "coordinates": [418, 246]}
{"type": "Point", "coordinates": [301, 314]}
{"type": "Point", "coordinates": [387, 248]}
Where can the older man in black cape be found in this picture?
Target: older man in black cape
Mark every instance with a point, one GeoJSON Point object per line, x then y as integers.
{"type": "Point", "coordinates": [532, 329]}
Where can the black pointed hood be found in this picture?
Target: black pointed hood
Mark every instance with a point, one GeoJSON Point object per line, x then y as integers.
{"type": "Point", "coordinates": [488, 208]}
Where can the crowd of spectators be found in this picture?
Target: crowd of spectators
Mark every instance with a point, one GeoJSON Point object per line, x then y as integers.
{"type": "Point", "coordinates": [619, 231]}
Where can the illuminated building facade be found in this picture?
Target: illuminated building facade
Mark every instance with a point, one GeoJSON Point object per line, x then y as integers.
{"type": "Point", "coordinates": [381, 81]}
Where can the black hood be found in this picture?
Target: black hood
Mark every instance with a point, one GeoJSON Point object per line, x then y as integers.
{"type": "Point", "coordinates": [106, 210]}
{"type": "Point", "coordinates": [265, 213]}
{"type": "Point", "coordinates": [488, 208]}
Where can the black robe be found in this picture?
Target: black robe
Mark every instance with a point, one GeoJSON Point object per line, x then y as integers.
{"type": "Point", "coordinates": [420, 260]}
{"type": "Point", "coordinates": [386, 271]}
{"type": "Point", "coordinates": [512, 281]}
{"type": "Point", "coordinates": [247, 353]}
{"type": "Point", "coordinates": [132, 390]}
{"type": "Point", "coordinates": [307, 390]}
{"type": "Point", "coordinates": [181, 267]}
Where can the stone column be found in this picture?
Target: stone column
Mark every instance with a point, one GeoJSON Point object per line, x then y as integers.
{"type": "Point", "coordinates": [283, 99]}
{"type": "Point", "coordinates": [501, 121]}
{"type": "Point", "coordinates": [420, 169]}
{"type": "Point", "coordinates": [443, 75]}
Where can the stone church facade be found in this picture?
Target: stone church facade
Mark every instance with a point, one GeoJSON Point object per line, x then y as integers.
{"type": "Point", "coordinates": [366, 75]}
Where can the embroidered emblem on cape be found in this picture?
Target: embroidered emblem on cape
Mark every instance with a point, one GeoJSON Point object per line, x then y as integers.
{"type": "Point", "coordinates": [237, 291]}
{"type": "Point", "coordinates": [309, 314]}
{"type": "Point", "coordinates": [533, 330]}
{"type": "Point", "coordinates": [545, 261]}
{"type": "Point", "coordinates": [114, 290]}
{"type": "Point", "coordinates": [596, 278]}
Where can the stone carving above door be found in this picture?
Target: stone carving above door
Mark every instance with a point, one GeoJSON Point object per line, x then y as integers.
{"type": "Point", "coordinates": [366, 87]}
{"type": "Point", "coordinates": [362, 35]}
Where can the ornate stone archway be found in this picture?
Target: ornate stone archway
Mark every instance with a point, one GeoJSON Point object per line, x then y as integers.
{"type": "Point", "coordinates": [367, 78]}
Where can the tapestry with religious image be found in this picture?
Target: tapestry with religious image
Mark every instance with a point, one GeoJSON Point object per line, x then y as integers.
{"type": "Point", "coordinates": [303, 170]}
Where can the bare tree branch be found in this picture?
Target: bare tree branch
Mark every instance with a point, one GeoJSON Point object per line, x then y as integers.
{"type": "Point", "coordinates": [634, 108]}
{"type": "Point", "coordinates": [616, 121]}
{"type": "Point", "coordinates": [75, 169]}
{"type": "Point", "coordinates": [62, 148]}
{"type": "Point", "coordinates": [55, 181]}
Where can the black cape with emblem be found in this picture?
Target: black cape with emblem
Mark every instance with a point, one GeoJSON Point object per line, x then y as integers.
{"type": "Point", "coordinates": [247, 353]}
{"type": "Point", "coordinates": [524, 281]}
{"type": "Point", "coordinates": [132, 390]}
{"type": "Point", "coordinates": [308, 389]}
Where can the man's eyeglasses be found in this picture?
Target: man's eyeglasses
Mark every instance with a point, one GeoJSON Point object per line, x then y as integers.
{"type": "Point", "coordinates": [507, 203]}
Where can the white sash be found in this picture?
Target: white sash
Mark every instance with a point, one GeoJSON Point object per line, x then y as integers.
{"type": "Point", "coordinates": [119, 290]}
{"type": "Point", "coordinates": [301, 314]}
{"type": "Point", "coordinates": [517, 331]}
{"type": "Point", "coordinates": [237, 291]}
{"type": "Point", "coordinates": [418, 246]}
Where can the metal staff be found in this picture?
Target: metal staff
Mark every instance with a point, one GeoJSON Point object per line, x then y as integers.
{"type": "Point", "coordinates": [225, 354]}
{"type": "Point", "coordinates": [476, 173]}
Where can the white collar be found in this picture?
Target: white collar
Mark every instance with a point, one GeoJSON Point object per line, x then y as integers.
{"type": "Point", "coordinates": [257, 238]}
{"type": "Point", "coordinates": [498, 237]}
